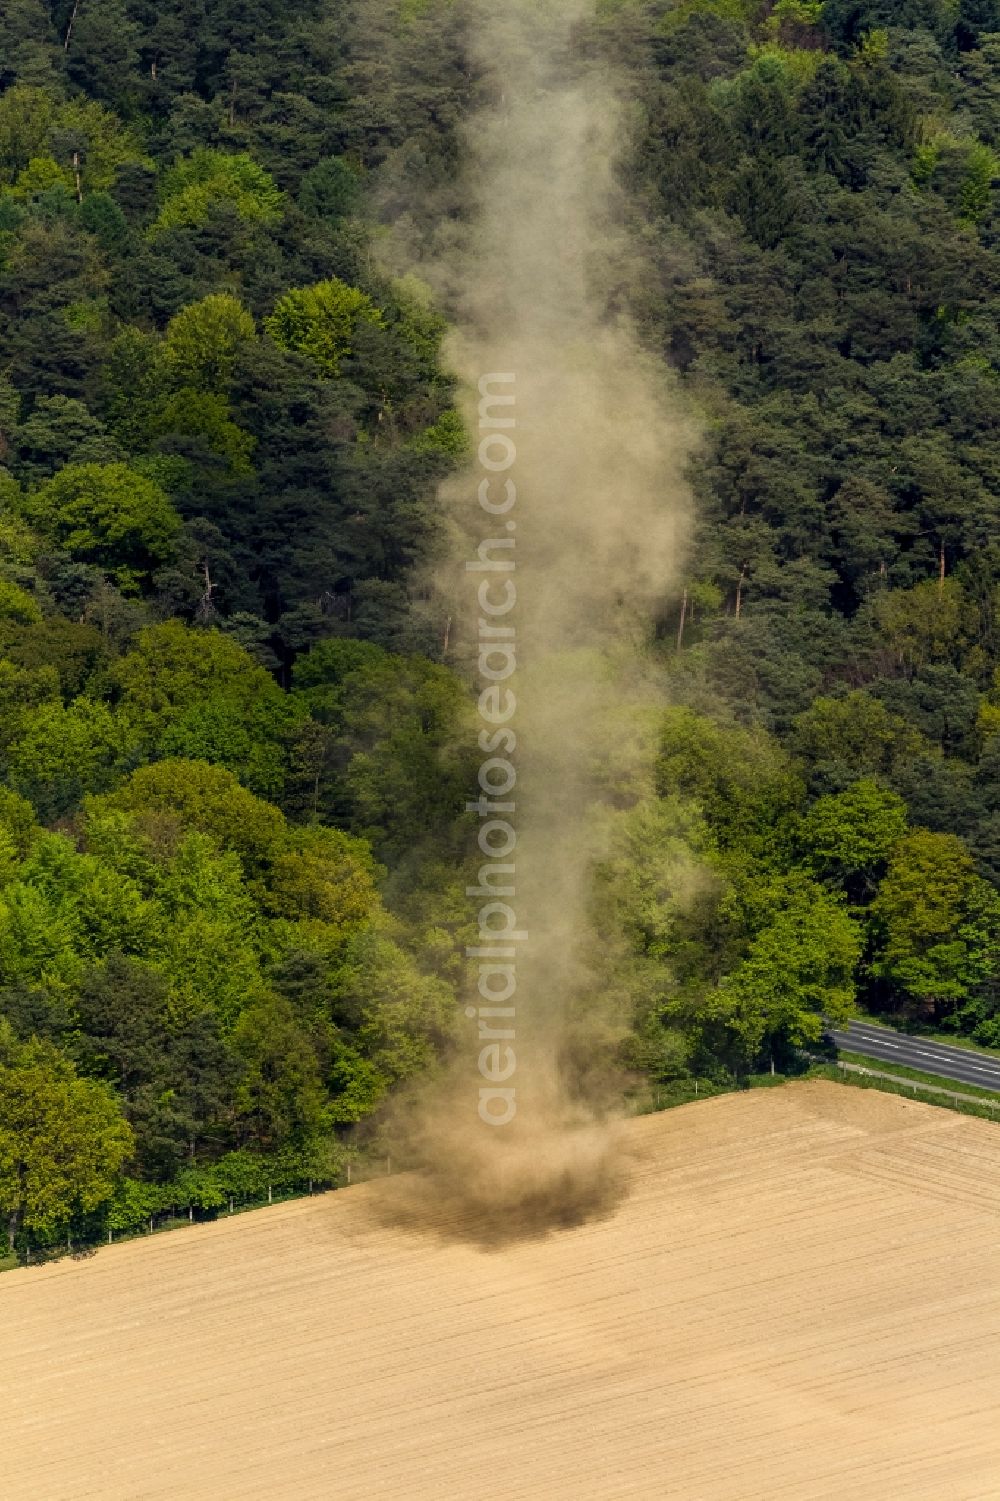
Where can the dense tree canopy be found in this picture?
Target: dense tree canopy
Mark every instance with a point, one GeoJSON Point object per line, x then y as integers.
{"type": "Point", "coordinates": [234, 762]}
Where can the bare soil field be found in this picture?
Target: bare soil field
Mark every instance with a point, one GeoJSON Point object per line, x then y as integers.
{"type": "Point", "coordinates": [799, 1299]}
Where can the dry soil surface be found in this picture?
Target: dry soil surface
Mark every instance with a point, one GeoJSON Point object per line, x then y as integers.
{"type": "Point", "coordinates": [800, 1298]}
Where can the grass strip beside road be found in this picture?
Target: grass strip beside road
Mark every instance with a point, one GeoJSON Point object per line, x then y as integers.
{"type": "Point", "coordinates": [900, 1070]}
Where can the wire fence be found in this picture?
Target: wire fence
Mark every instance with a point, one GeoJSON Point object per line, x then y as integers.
{"type": "Point", "coordinates": [171, 1213]}
{"type": "Point", "coordinates": [863, 1077]}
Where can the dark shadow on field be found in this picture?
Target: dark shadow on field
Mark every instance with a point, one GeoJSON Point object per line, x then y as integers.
{"type": "Point", "coordinates": [426, 1203]}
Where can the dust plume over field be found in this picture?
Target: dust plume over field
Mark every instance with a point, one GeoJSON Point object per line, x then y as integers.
{"type": "Point", "coordinates": [555, 1167]}
{"type": "Point", "coordinates": [597, 532]}
{"type": "Point", "coordinates": [799, 1301]}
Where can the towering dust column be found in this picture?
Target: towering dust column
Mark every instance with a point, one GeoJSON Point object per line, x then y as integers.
{"type": "Point", "coordinates": [578, 508]}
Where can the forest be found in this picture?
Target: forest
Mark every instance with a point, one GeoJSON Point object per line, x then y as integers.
{"type": "Point", "coordinates": [234, 751]}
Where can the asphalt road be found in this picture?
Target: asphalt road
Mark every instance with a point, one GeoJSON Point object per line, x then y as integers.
{"type": "Point", "coordinates": [917, 1052]}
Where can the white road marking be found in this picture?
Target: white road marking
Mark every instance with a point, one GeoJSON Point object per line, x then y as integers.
{"type": "Point", "coordinates": [936, 1053]}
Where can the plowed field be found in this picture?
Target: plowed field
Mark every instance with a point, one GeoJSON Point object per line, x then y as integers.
{"type": "Point", "coordinates": [800, 1298]}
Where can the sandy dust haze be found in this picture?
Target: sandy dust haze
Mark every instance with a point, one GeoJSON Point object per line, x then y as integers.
{"type": "Point", "coordinates": [598, 532]}
{"type": "Point", "coordinates": [799, 1301]}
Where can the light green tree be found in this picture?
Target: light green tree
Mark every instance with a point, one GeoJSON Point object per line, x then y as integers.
{"type": "Point", "coordinates": [195, 183]}
{"type": "Point", "coordinates": [171, 668]}
{"type": "Point", "coordinates": [66, 750]}
{"type": "Point", "coordinates": [18, 825]}
{"type": "Point", "coordinates": [208, 948]}
{"type": "Point", "coordinates": [40, 175]}
{"type": "Point", "coordinates": [63, 1140]}
{"type": "Point", "coordinates": [928, 623]}
{"type": "Point", "coordinates": [848, 836]}
{"type": "Point", "coordinates": [936, 922]}
{"type": "Point", "coordinates": [407, 1017]}
{"type": "Point", "coordinates": [989, 709]}
{"type": "Point", "coordinates": [65, 906]}
{"type": "Point", "coordinates": [106, 514]}
{"type": "Point", "coordinates": [173, 797]}
{"type": "Point", "coordinates": [133, 1206]}
{"type": "Point", "coordinates": [320, 321]}
{"type": "Point", "coordinates": [194, 413]}
{"type": "Point", "coordinates": [78, 135]}
{"type": "Point", "coordinates": [326, 875]}
{"type": "Point", "coordinates": [982, 167]}
{"type": "Point", "coordinates": [17, 605]}
{"type": "Point", "coordinates": [198, 1188]}
{"type": "Point", "coordinates": [204, 338]}
{"type": "Point", "coordinates": [38, 938]}
{"type": "Point", "coordinates": [197, 695]}
{"type": "Point", "coordinates": [241, 1176]}
{"type": "Point", "coordinates": [799, 969]}
{"type": "Point", "coordinates": [858, 733]}
{"type": "Point", "coordinates": [741, 779]}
